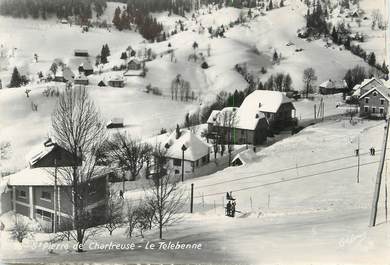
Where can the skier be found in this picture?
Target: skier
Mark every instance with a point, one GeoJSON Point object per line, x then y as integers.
{"type": "Point", "coordinates": [121, 194]}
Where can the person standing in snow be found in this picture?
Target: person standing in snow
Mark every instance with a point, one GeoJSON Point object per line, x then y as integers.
{"type": "Point", "coordinates": [233, 211]}
{"type": "Point", "coordinates": [228, 208]}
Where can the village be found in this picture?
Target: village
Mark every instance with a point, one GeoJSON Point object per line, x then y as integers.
{"type": "Point", "coordinates": [127, 138]}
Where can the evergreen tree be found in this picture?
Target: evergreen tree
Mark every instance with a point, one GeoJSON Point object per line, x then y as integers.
{"type": "Point", "coordinates": [117, 19]}
{"type": "Point", "coordinates": [371, 59]}
{"type": "Point", "coordinates": [270, 5]}
{"type": "Point", "coordinates": [385, 70]}
{"type": "Point", "coordinates": [275, 56]}
{"type": "Point", "coordinates": [16, 79]}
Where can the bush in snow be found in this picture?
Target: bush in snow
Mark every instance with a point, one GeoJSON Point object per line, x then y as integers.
{"type": "Point", "coordinates": [20, 230]}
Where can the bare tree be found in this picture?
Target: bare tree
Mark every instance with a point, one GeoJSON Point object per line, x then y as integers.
{"type": "Point", "coordinates": [5, 150]}
{"type": "Point", "coordinates": [377, 18]}
{"type": "Point", "coordinates": [164, 197]}
{"type": "Point", "coordinates": [78, 127]}
{"type": "Point", "coordinates": [130, 154]}
{"type": "Point", "coordinates": [309, 77]}
{"type": "Point", "coordinates": [113, 213]}
{"type": "Point", "coordinates": [131, 219]}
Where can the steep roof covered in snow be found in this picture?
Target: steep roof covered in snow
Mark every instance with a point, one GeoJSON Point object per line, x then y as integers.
{"type": "Point", "coordinates": [196, 148]}
{"type": "Point", "coordinates": [264, 101]}
{"type": "Point", "coordinates": [44, 176]}
{"type": "Point", "coordinates": [332, 84]}
{"type": "Point", "coordinates": [246, 156]}
{"type": "Point", "coordinates": [242, 118]}
{"type": "Point", "coordinates": [385, 92]}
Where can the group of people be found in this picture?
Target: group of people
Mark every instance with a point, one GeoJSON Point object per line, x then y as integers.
{"type": "Point", "coordinates": [231, 209]}
{"type": "Point", "coordinates": [372, 151]}
{"type": "Point", "coordinates": [231, 205]}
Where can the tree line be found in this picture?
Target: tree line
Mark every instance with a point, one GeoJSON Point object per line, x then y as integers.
{"type": "Point", "coordinates": [47, 8]}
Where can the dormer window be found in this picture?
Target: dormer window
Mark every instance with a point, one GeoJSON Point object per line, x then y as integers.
{"type": "Point", "coordinates": [374, 93]}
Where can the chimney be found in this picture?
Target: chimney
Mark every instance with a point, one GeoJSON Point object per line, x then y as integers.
{"type": "Point", "coordinates": [177, 131]}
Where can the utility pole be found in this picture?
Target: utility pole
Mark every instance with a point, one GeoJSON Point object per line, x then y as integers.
{"type": "Point", "coordinates": [358, 161]}
{"type": "Point", "coordinates": [386, 193]}
{"type": "Point", "coordinates": [192, 198]}
{"type": "Point", "coordinates": [374, 208]}
{"type": "Point", "coordinates": [55, 197]}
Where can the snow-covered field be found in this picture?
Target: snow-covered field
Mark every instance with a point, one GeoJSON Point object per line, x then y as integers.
{"type": "Point", "coordinates": [299, 201]}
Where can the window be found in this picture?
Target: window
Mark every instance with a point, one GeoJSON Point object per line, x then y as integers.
{"type": "Point", "coordinates": [375, 94]}
{"type": "Point", "coordinates": [91, 189]}
{"type": "Point", "coordinates": [382, 101]}
{"type": "Point", "coordinates": [381, 110]}
{"type": "Point", "coordinates": [366, 99]}
{"type": "Point", "coordinates": [22, 194]}
{"type": "Point", "coordinates": [197, 163]}
{"type": "Point", "coordinates": [373, 109]}
{"type": "Point", "coordinates": [46, 196]}
{"type": "Point", "coordinates": [365, 109]}
{"type": "Point", "coordinates": [43, 214]}
{"type": "Point", "coordinates": [177, 171]}
{"type": "Point", "coordinates": [176, 162]}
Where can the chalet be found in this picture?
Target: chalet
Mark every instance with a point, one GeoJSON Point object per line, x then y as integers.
{"type": "Point", "coordinates": [375, 102]}
{"type": "Point", "coordinates": [116, 82]}
{"type": "Point", "coordinates": [135, 68]}
{"type": "Point", "coordinates": [238, 125]}
{"type": "Point", "coordinates": [115, 123]}
{"type": "Point", "coordinates": [196, 152]}
{"type": "Point", "coordinates": [81, 53]}
{"type": "Point", "coordinates": [86, 68]}
{"type": "Point", "coordinates": [367, 85]}
{"type": "Point", "coordinates": [81, 80]}
{"type": "Point", "coordinates": [260, 112]}
{"type": "Point", "coordinates": [276, 106]}
{"type": "Point", "coordinates": [333, 87]}
{"type": "Point", "coordinates": [31, 191]}
{"type": "Point", "coordinates": [64, 75]}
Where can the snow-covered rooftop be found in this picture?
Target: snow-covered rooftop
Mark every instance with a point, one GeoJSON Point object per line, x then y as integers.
{"type": "Point", "coordinates": [264, 101]}
{"type": "Point", "coordinates": [246, 156]}
{"type": "Point", "coordinates": [385, 92]}
{"type": "Point", "coordinates": [242, 118]}
{"type": "Point", "coordinates": [44, 176]}
{"type": "Point", "coordinates": [334, 84]}
{"type": "Point", "coordinates": [196, 148]}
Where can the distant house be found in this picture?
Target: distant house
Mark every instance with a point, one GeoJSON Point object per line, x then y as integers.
{"type": "Point", "coordinates": [64, 75]}
{"type": "Point", "coordinates": [196, 154]}
{"type": "Point", "coordinates": [101, 83]}
{"type": "Point", "coordinates": [81, 53]}
{"type": "Point", "coordinates": [116, 82]}
{"type": "Point", "coordinates": [31, 191]}
{"type": "Point", "coordinates": [375, 102]}
{"type": "Point", "coordinates": [86, 68]}
{"type": "Point", "coordinates": [333, 87]}
{"type": "Point", "coordinates": [115, 123]}
{"type": "Point", "coordinates": [81, 80]}
{"type": "Point", "coordinates": [135, 68]}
